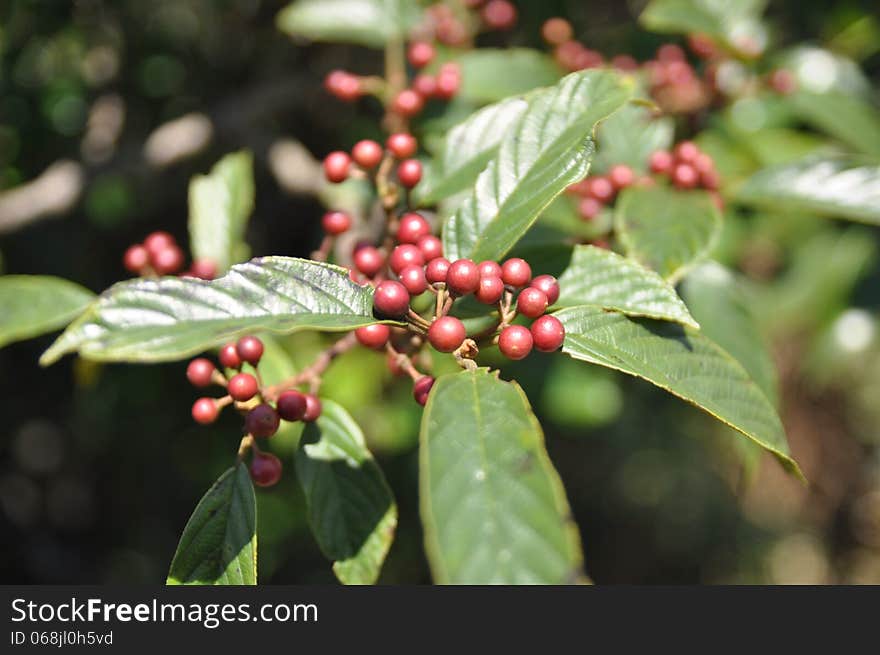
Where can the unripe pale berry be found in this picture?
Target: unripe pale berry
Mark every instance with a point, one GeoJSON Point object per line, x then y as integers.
{"type": "Point", "coordinates": [463, 277]}
{"type": "Point", "coordinates": [549, 285]}
{"type": "Point", "coordinates": [621, 176]}
{"type": "Point", "coordinates": [489, 268]}
{"type": "Point", "coordinates": [446, 334]}
{"type": "Point", "coordinates": [556, 31]}
{"type": "Point", "coordinates": [368, 260]}
{"type": "Point", "coordinates": [405, 255]}
{"type": "Point", "coordinates": [661, 161]}
{"type": "Point", "coordinates": [135, 258]}
{"type": "Point", "coordinates": [335, 223]}
{"type": "Point", "coordinates": [516, 272]}
{"type": "Point", "coordinates": [249, 349]}
{"type": "Point", "coordinates": [490, 290]}
{"type": "Point", "coordinates": [422, 388]}
{"type": "Point", "coordinates": [313, 408]}
{"type": "Point", "coordinates": [531, 302]}
{"type": "Point", "coordinates": [367, 154]}
{"type": "Point", "coordinates": [158, 241]}
{"type": "Point", "coordinates": [685, 176]}
{"type": "Point", "coordinates": [499, 15]}
{"type": "Point", "coordinates": [412, 227]}
{"type": "Point", "coordinates": [204, 269]}
{"type": "Point", "coordinates": [515, 342]}
{"type": "Point", "coordinates": [391, 299]}
{"type": "Point", "coordinates": [242, 387]}
{"type": "Point", "coordinates": [420, 54]}
{"type": "Point", "coordinates": [262, 421]}
{"type": "Point", "coordinates": [229, 357]}
{"type": "Point", "coordinates": [265, 469]}
{"type": "Point", "coordinates": [413, 278]}
{"type": "Point", "coordinates": [336, 166]}
{"type": "Point", "coordinates": [431, 247]}
{"type": "Point", "coordinates": [205, 411]}
{"type": "Point", "coordinates": [402, 145]}
{"type": "Point", "coordinates": [408, 103]}
{"type": "Point", "coordinates": [200, 371]}
{"type": "Point", "coordinates": [168, 260]}
{"type": "Point", "coordinates": [409, 172]}
{"type": "Point", "coordinates": [437, 270]}
{"type": "Point", "coordinates": [371, 336]}
{"type": "Point", "coordinates": [547, 333]}
{"type": "Point", "coordinates": [291, 405]}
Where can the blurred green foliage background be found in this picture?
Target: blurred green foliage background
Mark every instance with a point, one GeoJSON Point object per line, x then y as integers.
{"type": "Point", "coordinates": [100, 466]}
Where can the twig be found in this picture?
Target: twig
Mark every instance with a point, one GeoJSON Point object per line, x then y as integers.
{"type": "Point", "coordinates": [315, 369]}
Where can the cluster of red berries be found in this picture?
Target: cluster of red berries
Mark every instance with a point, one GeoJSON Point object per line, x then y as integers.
{"type": "Point", "coordinates": [261, 418]}
{"type": "Point", "coordinates": [597, 191]}
{"type": "Point", "coordinates": [686, 166]}
{"type": "Point", "coordinates": [457, 29]}
{"type": "Point", "coordinates": [573, 55]}
{"type": "Point", "coordinates": [368, 154]}
{"type": "Point", "coordinates": [159, 254]}
{"type": "Point", "coordinates": [674, 83]}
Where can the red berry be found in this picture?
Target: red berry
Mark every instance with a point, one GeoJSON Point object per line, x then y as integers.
{"type": "Point", "coordinates": [515, 342]}
{"type": "Point", "coordinates": [516, 272]}
{"type": "Point", "coordinates": [710, 179]}
{"type": "Point", "coordinates": [409, 172]}
{"type": "Point", "coordinates": [367, 154]}
{"type": "Point", "coordinates": [291, 405]}
{"type": "Point", "coordinates": [686, 152]}
{"type": "Point", "coordinates": [446, 334]}
{"type": "Point", "coordinates": [420, 54]}
{"type": "Point", "coordinates": [463, 277]}
{"type": "Point", "coordinates": [413, 278]}
{"type": "Point", "coordinates": [336, 222]}
{"type": "Point", "coordinates": [249, 349]}
{"type": "Point", "coordinates": [490, 290]}
{"type": "Point", "coordinates": [262, 421]}
{"type": "Point", "coordinates": [157, 242]}
{"type": "Point", "coordinates": [489, 268]}
{"type": "Point", "coordinates": [547, 333]}
{"type": "Point", "coordinates": [661, 161]}
{"type": "Point", "coordinates": [336, 166]}
{"type": "Point", "coordinates": [204, 269]}
{"type": "Point", "coordinates": [168, 260]}
{"type": "Point", "coordinates": [412, 227]}
{"type": "Point", "coordinates": [685, 176]}
{"type": "Point", "coordinates": [448, 82]}
{"type": "Point", "coordinates": [670, 52]}
{"type": "Point", "coordinates": [391, 299]}
{"type": "Point", "coordinates": [229, 357]}
{"type": "Point", "coordinates": [431, 247]}
{"type": "Point", "coordinates": [621, 176]}
{"type": "Point", "coordinates": [405, 255]}
{"type": "Point", "coordinates": [205, 411]}
{"type": "Point", "coordinates": [368, 260]}
{"type": "Point", "coordinates": [313, 408]}
{"type": "Point", "coordinates": [200, 371]}
{"type": "Point", "coordinates": [702, 45]}
{"type": "Point", "coordinates": [437, 270]}
{"type": "Point", "coordinates": [345, 86]}
{"type": "Point", "coordinates": [402, 145]}
{"type": "Point", "coordinates": [370, 336]}
{"type": "Point", "coordinates": [422, 388]}
{"type": "Point", "coordinates": [549, 285]}
{"type": "Point", "coordinates": [135, 258]}
{"type": "Point", "coordinates": [589, 208]}
{"type": "Point", "coordinates": [556, 31]}
{"type": "Point", "coordinates": [531, 302]}
{"type": "Point", "coordinates": [601, 189]}
{"type": "Point", "coordinates": [499, 15]}
{"type": "Point", "coordinates": [408, 103]}
{"type": "Point", "coordinates": [624, 63]}
{"type": "Point", "coordinates": [783, 81]}
{"type": "Point", "coordinates": [242, 387]}
{"type": "Point", "coordinates": [587, 58]}
{"type": "Point", "coordinates": [568, 54]}
{"type": "Point", "coordinates": [265, 469]}
{"type": "Point", "coordinates": [425, 85]}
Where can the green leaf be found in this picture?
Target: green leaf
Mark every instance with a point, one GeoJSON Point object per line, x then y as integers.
{"type": "Point", "coordinates": [219, 207]}
{"type": "Point", "coordinates": [819, 71]}
{"type": "Point", "coordinates": [493, 507]}
{"type": "Point", "coordinates": [833, 186]}
{"type": "Point", "coordinates": [219, 542]}
{"type": "Point", "coordinates": [596, 276]}
{"type": "Point", "coordinates": [372, 23]}
{"type": "Point", "coordinates": [490, 75]}
{"type": "Point", "coordinates": [735, 24]}
{"type": "Point", "coordinates": [629, 136]}
{"type": "Point", "coordinates": [846, 117]}
{"type": "Point", "coordinates": [682, 361]}
{"type": "Point", "coordinates": [350, 506]}
{"type": "Point", "coordinates": [666, 229]}
{"type": "Point", "coordinates": [549, 150]}
{"type": "Point", "coordinates": [31, 305]}
{"type": "Point", "coordinates": [172, 318]}
{"type": "Point", "coordinates": [719, 301]}
{"type": "Point", "coordinates": [468, 148]}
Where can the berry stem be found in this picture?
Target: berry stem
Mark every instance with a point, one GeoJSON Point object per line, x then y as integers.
{"type": "Point", "coordinates": [323, 250]}
{"type": "Point", "coordinates": [395, 82]}
{"type": "Point", "coordinates": [314, 370]}
{"type": "Point", "coordinates": [247, 442]}
{"type": "Point", "coordinates": [404, 362]}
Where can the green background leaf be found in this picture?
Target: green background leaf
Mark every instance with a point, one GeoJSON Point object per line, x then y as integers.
{"type": "Point", "coordinates": [629, 136]}
{"type": "Point", "coordinates": [31, 305]}
{"type": "Point", "coordinates": [493, 507]}
{"type": "Point", "coordinates": [350, 506]}
{"type": "Point", "coordinates": [846, 117]}
{"type": "Point", "coordinates": [490, 75]}
{"type": "Point", "coordinates": [731, 22]}
{"type": "Point", "coordinates": [219, 542]}
{"type": "Point", "coordinates": [366, 22]}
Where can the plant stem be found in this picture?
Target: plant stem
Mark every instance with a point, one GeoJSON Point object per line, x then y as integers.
{"type": "Point", "coordinates": [314, 371]}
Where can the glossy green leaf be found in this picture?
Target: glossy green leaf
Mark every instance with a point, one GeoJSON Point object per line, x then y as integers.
{"type": "Point", "coordinates": [220, 205]}
{"type": "Point", "coordinates": [846, 117]}
{"type": "Point", "coordinates": [832, 186]}
{"type": "Point", "coordinates": [31, 305]}
{"type": "Point", "coordinates": [596, 276]}
{"type": "Point", "coordinates": [467, 149]}
{"type": "Point", "coordinates": [490, 75]}
{"type": "Point", "coordinates": [719, 301]}
{"type": "Point", "coordinates": [629, 136]}
{"type": "Point", "coordinates": [350, 506]}
{"type": "Point", "coordinates": [682, 361]}
{"type": "Point", "coordinates": [493, 507]}
{"type": "Point", "coordinates": [733, 23]}
{"type": "Point", "coordinates": [172, 318]}
{"type": "Point", "coordinates": [219, 542]}
{"type": "Point", "coordinates": [366, 22]}
{"type": "Point", "coordinates": [549, 150]}
{"type": "Point", "coordinates": [665, 229]}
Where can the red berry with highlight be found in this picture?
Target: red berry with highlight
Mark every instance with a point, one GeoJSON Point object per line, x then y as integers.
{"type": "Point", "coordinates": [437, 270]}
{"type": "Point", "coordinates": [515, 342]}
{"type": "Point", "coordinates": [499, 14]}
{"type": "Point", "coordinates": [367, 153]}
{"type": "Point", "coordinates": [412, 227]}
{"type": "Point", "coordinates": [135, 258]}
{"type": "Point", "coordinates": [200, 372]}
{"type": "Point", "coordinates": [589, 208]}
{"type": "Point", "coordinates": [371, 336]}
{"type": "Point", "coordinates": [413, 278]}
{"type": "Point", "coordinates": [531, 302]}
{"type": "Point", "coordinates": [157, 242]}
{"type": "Point", "coordinates": [313, 408]}
{"type": "Point", "coordinates": [547, 334]}
{"type": "Point", "coordinates": [402, 145]}
{"type": "Point", "coordinates": [249, 349]}
{"type": "Point", "coordinates": [409, 172]}
{"type": "Point", "coordinates": [490, 290]}
{"type": "Point", "coordinates": [291, 405]}
{"type": "Point", "coordinates": [262, 421]}
{"type": "Point", "coordinates": [601, 189]}
{"type": "Point", "coordinates": [686, 152]}
{"type": "Point", "coordinates": [420, 54]}
{"type": "Point", "coordinates": [549, 285]}
{"type": "Point", "coordinates": [463, 277]}
{"type": "Point", "coordinates": [661, 161]}
{"type": "Point", "coordinates": [242, 387]}
{"type": "Point", "coordinates": [204, 269]}
{"type": "Point", "coordinates": [425, 85]}
{"type": "Point", "coordinates": [168, 260]}
{"type": "Point", "coordinates": [446, 334]}
{"type": "Point", "coordinates": [516, 272]}
{"type": "Point", "coordinates": [408, 103]}
{"type": "Point", "coordinates": [344, 86]}
{"type": "Point", "coordinates": [336, 166]}
{"type": "Point", "coordinates": [265, 469]}
{"type": "Point", "coordinates": [422, 388]}
{"type": "Point", "coordinates": [205, 411]}
{"type": "Point", "coordinates": [489, 268]}
{"type": "Point", "coordinates": [335, 223]}
{"type": "Point", "coordinates": [391, 299]}
{"type": "Point", "coordinates": [368, 260]}
{"type": "Point", "coordinates": [431, 247]}
{"type": "Point", "coordinates": [685, 176]}
{"type": "Point", "coordinates": [557, 31]}
{"type": "Point", "coordinates": [447, 83]}
{"type": "Point", "coordinates": [621, 176]}
{"type": "Point", "coordinates": [229, 356]}
{"type": "Point", "coordinates": [405, 255]}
